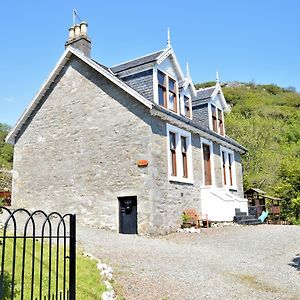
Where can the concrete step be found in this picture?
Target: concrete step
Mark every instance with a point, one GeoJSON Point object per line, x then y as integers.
{"type": "Point", "coordinates": [242, 213]}
{"type": "Point", "coordinates": [250, 222]}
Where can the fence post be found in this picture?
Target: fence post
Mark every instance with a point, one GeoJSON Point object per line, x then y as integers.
{"type": "Point", "coordinates": [72, 273]}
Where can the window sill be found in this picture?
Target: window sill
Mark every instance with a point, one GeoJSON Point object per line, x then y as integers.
{"type": "Point", "coordinates": [181, 180]}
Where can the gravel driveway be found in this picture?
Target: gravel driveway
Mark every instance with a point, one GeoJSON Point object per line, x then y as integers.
{"type": "Point", "coordinates": [247, 262]}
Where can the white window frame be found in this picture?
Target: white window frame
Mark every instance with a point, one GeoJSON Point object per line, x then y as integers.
{"type": "Point", "coordinates": [212, 162]}
{"type": "Point", "coordinates": [155, 89]}
{"type": "Point", "coordinates": [233, 168]}
{"type": "Point", "coordinates": [210, 118]}
{"type": "Point", "coordinates": [182, 111]}
{"type": "Point", "coordinates": [179, 163]}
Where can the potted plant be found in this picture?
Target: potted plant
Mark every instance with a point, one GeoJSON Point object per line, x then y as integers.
{"type": "Point", "coordinates": [186, 221]}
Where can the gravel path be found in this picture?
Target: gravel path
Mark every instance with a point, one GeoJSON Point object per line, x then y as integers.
{"type": "Point", "coordinates": [248, 262]}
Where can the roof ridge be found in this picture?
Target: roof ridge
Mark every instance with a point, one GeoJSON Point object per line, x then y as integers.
{"type": "Point", "coordinates": [209, 87]}
{"type": "Point", "coordinates": [128, 61]}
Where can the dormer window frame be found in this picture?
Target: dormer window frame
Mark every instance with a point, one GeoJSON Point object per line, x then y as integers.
{"type": "Point", "coordinates": [185, 95]}
{"type": "Point", "coordinates": [216, 119]}
{"type": "Point", "coordinates": [167, 92]}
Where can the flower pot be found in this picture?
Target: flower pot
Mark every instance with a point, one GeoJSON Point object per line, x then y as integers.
{"type": "Point", "coordinates": [186, 225]}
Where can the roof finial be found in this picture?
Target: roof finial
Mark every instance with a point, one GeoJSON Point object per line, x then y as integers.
{"type": "Point", "coordinates": [187, 69]}
{"type": "Point", "coordinates": [75, 15]}
{"type": "Point", "coordinates": [169, 39]}
{"type": "Point", "coordinates": [217, 77]}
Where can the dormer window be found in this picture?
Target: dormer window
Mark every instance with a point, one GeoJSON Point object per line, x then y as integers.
{"type": "Point", "coordinates": [166, 83]}
{"type": "Point", "coordinates": [220, 121]}
{"type": "Point", "coordinates": [172, 95]}
{"type": "Point", "coordinates": [217, 120]}
{"type": "Point", "coordinates": [187, 108]}
{"type": "Point", "coordinates": [214, 118]}
{"type": "Point", "coordinates": [162, 89]}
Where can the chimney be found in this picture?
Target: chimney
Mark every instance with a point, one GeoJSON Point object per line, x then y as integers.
{"type": "Point", "coordinates": [79, 39]}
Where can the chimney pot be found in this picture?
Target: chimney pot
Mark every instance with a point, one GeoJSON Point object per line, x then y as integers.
{"type": "Point", "coordinates": [79, 39]}
{"type": "Point", "coordinates": [83, 28]}
{"type": "Point", "coordinates": [77, 30]}
{"type": "Point", "coordinates": [71, 33]}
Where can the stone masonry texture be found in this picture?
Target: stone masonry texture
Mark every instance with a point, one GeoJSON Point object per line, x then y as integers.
{"type": "Point", "coordinates": [200, 114]}
{"type": "Point", "coordinates": [78, 153]}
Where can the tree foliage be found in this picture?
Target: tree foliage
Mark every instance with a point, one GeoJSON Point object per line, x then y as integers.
{"type": "Point", "coordinates": [6, 150]}
{"type": "Point", "coordinates": [266, 120]}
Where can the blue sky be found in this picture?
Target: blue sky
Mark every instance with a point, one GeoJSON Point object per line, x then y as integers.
{"type": "Point", "coordinates": [245, 40]}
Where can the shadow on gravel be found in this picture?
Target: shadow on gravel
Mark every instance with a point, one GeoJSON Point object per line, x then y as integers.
{"type": "Point", "coordinates": [295, 263]}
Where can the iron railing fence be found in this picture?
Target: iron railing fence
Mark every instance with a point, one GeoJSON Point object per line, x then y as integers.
{"type": "Point", "coordinates": [38, 257]}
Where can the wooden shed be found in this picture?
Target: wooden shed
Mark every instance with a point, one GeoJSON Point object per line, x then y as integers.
{"type": "Point", "coordinates": [258, 202]}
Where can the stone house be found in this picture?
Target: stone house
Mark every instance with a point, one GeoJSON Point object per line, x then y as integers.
{"type": "Point", "coordinates": [127, 147]}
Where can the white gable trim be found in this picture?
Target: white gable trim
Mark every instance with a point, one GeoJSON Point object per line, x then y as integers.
{"type": "Point", "coordinates": [217, 91]}
{"type": "Point", "coordinates": [169, 52]}
{"type": "Point", "coordinates": [59, 66]}
{"type": "Point", "coordinates": [189, 83]}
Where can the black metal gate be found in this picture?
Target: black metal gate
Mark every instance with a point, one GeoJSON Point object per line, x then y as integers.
{"type": "Point", "coordinates": [38, 257]}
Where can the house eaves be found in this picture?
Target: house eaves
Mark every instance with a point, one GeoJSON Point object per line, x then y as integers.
{"type": "Point", "coordinates": [191, 126]}
{"type": "Point", "coordinates": [53, 75]}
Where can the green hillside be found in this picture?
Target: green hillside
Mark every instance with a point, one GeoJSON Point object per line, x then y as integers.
{"type": "Point", "coordinates": [6, 158]}
{"type": "Point", "coordinates": [266, 120]}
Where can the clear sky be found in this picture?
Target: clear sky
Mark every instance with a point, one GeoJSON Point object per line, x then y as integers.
{"type": "Point", "coordinates": [245, 40]}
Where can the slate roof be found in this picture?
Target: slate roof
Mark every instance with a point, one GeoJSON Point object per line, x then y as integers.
{"type": "Point", "coordinates": [136, 62]}
{"type": "Point", "coordinates": [205, 93]}
{"type": "Point", "coordinates": [101, 65]}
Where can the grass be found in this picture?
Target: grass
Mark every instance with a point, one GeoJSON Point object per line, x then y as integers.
{"type": "Point", "coordinates": [88, 280]}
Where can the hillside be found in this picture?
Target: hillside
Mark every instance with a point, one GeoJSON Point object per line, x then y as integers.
{"type": "Point", "coordinates": [266, 120]}
{"type": "Point", "coordinates": [6, 158]}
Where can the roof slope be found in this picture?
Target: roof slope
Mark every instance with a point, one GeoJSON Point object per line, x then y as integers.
{"type": "Point", "coordinates": [137, 62]}
{"type": "Point", "coordinates": [53, 75]}
{"type": "Point", "coordinates": [205, 93]}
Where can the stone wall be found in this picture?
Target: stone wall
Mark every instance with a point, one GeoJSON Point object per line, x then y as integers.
{"type": "Point", "coordinates": [79, 152]}
{"type": "Point", "coordinates": [170, 198]}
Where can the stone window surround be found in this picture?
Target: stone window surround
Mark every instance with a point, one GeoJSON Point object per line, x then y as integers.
{"type": "Point", "coordinates": [212, 159]}
{"type": "Point", "coordinates": [233, 168]}
{"type": "Point", "coordinates": [179, 163]}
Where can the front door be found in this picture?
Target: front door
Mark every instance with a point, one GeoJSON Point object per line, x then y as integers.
{"type": "Point", "coordinates": [128, 215]}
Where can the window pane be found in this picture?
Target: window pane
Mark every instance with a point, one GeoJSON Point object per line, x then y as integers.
{"type": "Point", "coordinates": [171, 101]}
{"type": "Point", "coordinates": [213, 111]}
{"type": "Point", "coordinates": [161, 96]}
{"type": "Point", "coordinates": [220, 114]}
{"type": "Point", "coordinates": [172, 140]}
{"type": "Point", "coordinates": [171, 85]}
{"type": "Point", "coordinates": [172, 137]}
{"type": "Point", "coordinates": [224, 167]}
{"type": "Point", "coordinates": [161, 78]}
{"type": "Point", "coordinates": [207, 166]}
{"type": "Point", "coordinates": [187, 106]}
{"type": "Point", "coordinates": [183, 144]}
